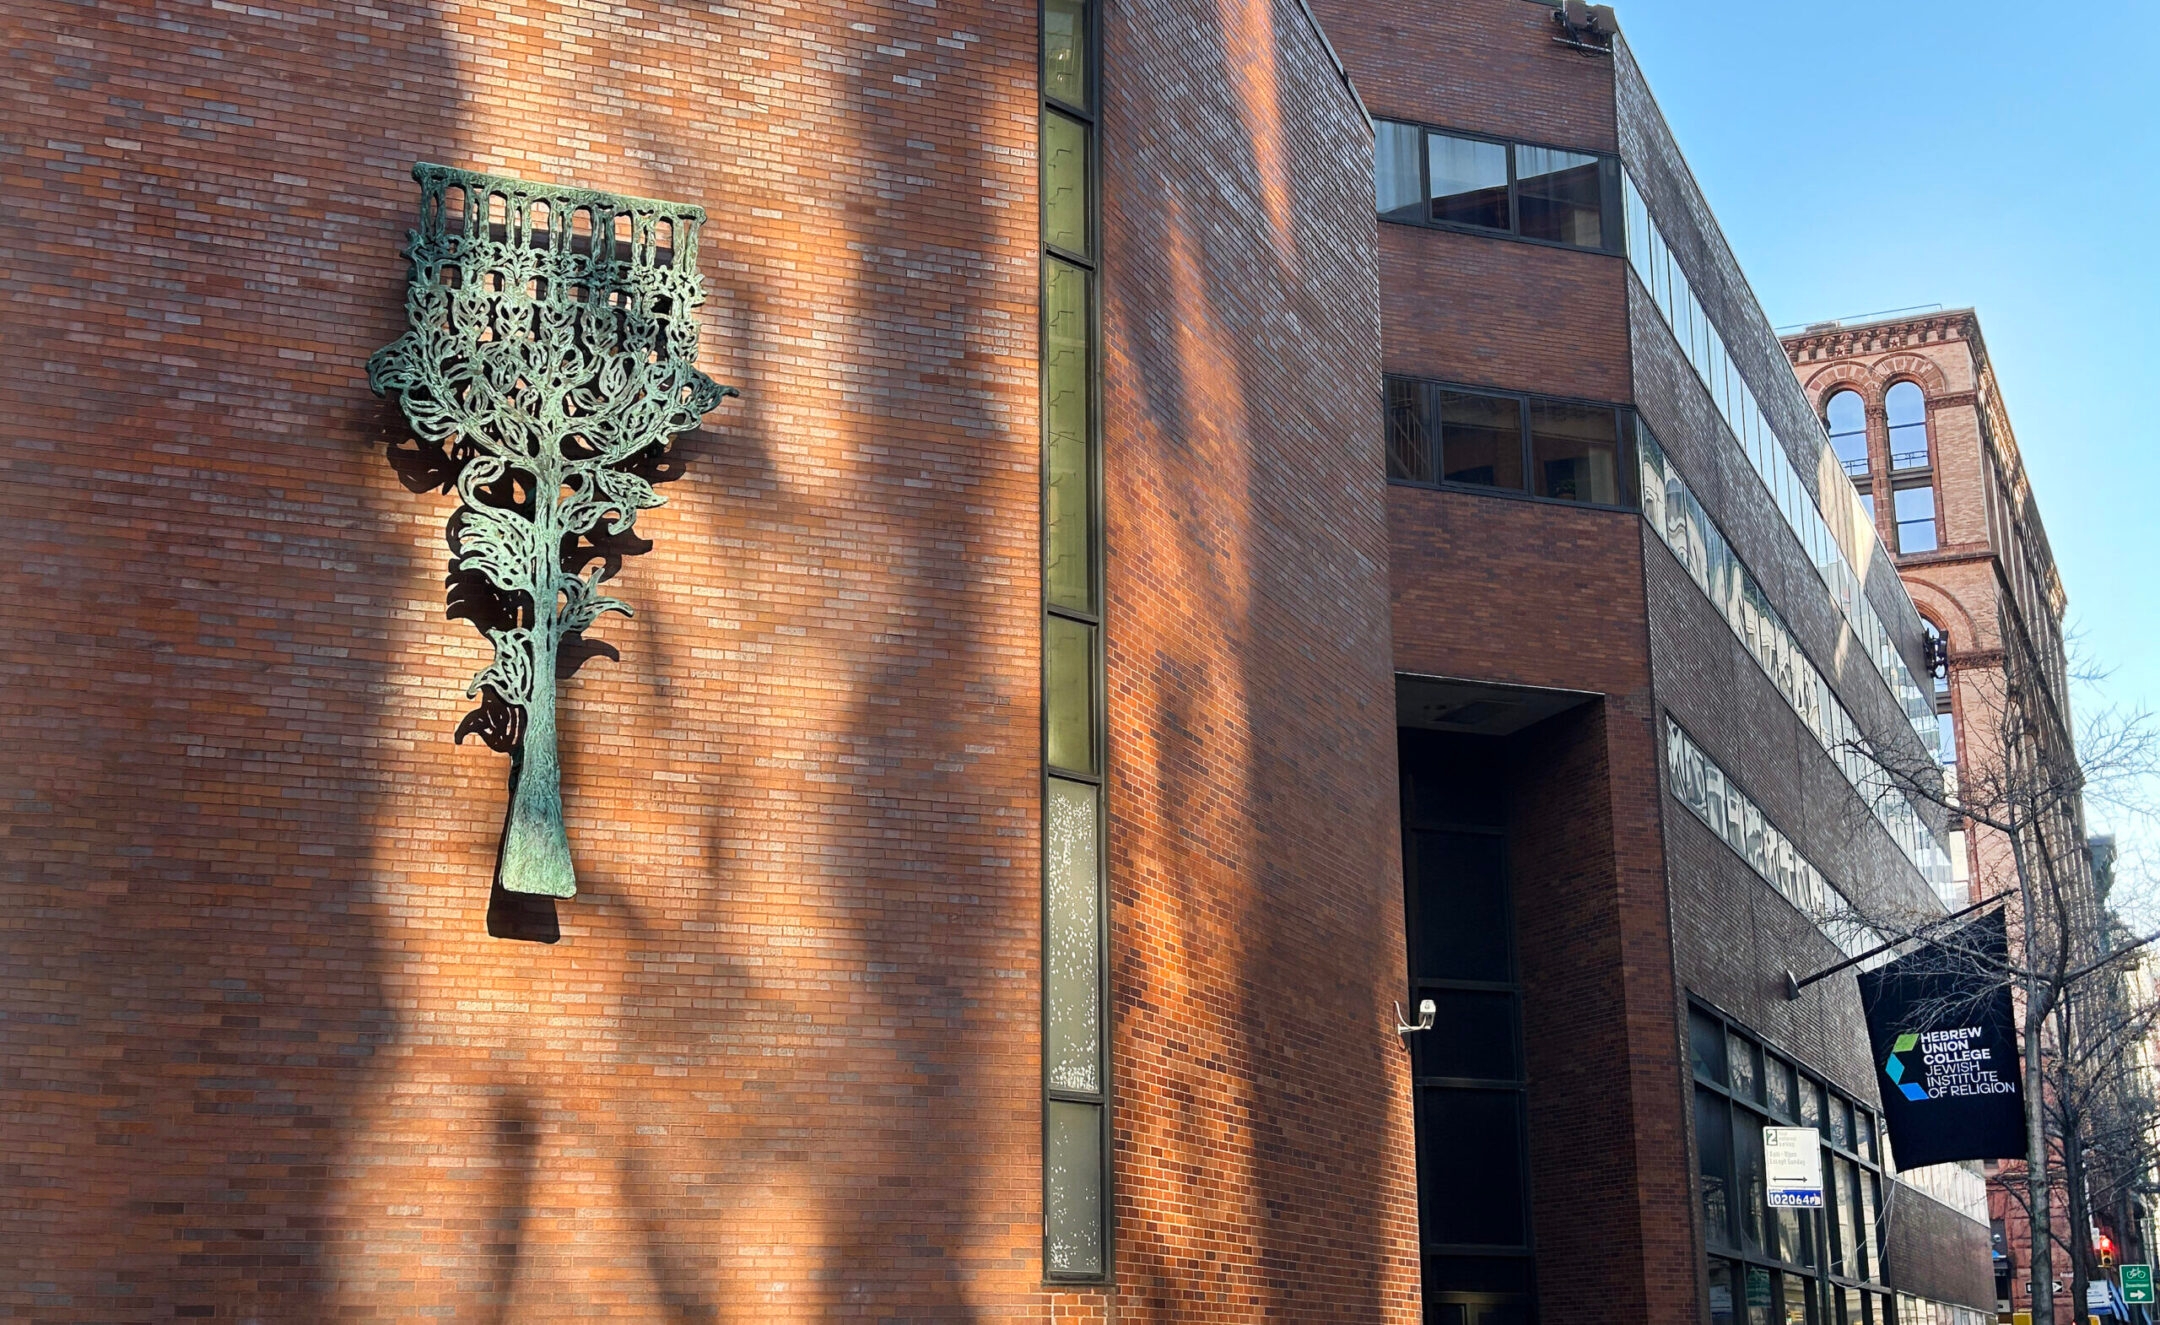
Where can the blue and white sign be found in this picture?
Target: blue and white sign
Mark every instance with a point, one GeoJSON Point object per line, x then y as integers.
{"type": "Point", "coordinates": [1793, 1158]}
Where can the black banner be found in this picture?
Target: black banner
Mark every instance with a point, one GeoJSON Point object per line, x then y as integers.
{"type": "Point", "coordinates": [1946, 1049]}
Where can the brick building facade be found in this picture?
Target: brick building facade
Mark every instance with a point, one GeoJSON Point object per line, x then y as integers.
{"type": "Point", "coordinates": [1922, 430]}
{"type": "Point", "coordinates": [273, 1052]}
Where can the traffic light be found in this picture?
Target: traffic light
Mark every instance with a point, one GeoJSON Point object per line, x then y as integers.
{"type": "Point", "coordinates": [2104, 1247]}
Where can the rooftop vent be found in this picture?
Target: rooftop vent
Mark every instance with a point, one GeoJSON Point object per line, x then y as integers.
{"type": "Point", "coordinates": [1586, 27]}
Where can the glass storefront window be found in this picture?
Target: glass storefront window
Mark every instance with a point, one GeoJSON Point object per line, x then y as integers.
{"type": "Point", "coordinates": [1782, 1267]}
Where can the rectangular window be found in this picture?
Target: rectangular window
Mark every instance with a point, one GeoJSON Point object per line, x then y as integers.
{"type": "Point", "coordinates": [1743, 1055]}
{"type": "Point", "coordinates": [1413, 413]}
{"type": "Point", "coordinates": [1557, 450]}
{"type": "Point", "coordinates": [1750, 1184]}
{"type": "Point", "coordinates": [1072, 949]}
{"type": "Point", "coordinates": [1072, 1211]}
{"type": "Point", "coordinates": [1065, 182]}
{"type": "Point", "coordinates": [1549, 194]}
{"type": "Point", "coordinates": [1916, 519]}
{"type": "Point", "coordinates": [1575, 452]}
{"type": "Point", "coordinates": [1845, 1258]}
{"type": "Point", "coordinates": [1799, 1300]}
{"type": "Point", "coordinates": [1069, 651]}
{"type": "Point", "coordinates": [1778, 1084]}
{"type": "Point", "coordinates": [1561, 196]}
{"type": "Point", "coordinates": [1468, 181]}
{"type": "Point", "coordinates": [1471, 1179]}
{"type": "Point", "coordinates": [1398, 187]}
{"type": "Point", "coordinates": [1481, 439]}
{"type": "Point", "coordinates": [1068, 387]}
{"type": "Point", "coordinates": [1706, 1046]}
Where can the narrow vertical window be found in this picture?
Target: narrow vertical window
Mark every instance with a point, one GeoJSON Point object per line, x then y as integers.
{"type": "Point", "coordinates": [1075, 929]}
{"type": "Point", "coordinates": [1846, 418]}
{"type": "Point", "coordinates": [1398, 184]}
{"type": "Point", "coordinates": [1906, 406]}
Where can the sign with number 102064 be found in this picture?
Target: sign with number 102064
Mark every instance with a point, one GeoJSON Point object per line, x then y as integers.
{"type": "Point", "coordinates": [1792, 1158]}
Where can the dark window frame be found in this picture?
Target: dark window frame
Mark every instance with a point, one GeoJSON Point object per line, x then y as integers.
{"type": "Point", "coordinates": [1827, 1254]}
{"type": "Point", "coordinates": [1612, 224]}
{"type": "Point", "coordinates": [1623, 434]}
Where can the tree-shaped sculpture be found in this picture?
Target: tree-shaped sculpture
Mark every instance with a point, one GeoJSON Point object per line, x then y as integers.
{"type": "Point", "coordinates": [549, 361]}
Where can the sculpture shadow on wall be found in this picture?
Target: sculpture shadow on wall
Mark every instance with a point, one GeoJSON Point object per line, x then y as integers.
{"type": "Point", "coordinates": [424, 465]}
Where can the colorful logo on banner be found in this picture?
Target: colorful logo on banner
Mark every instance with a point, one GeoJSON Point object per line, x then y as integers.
{"type": "Point", "coordinates": [1895, 1069]}
{"type": "Point", "coordinates": [1954, 1062]}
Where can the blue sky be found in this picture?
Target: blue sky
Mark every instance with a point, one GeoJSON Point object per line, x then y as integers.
{"type": "Point", "coordinates": [1872, 156]}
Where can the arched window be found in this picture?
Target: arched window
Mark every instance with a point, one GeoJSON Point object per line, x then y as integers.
{"type": "Point", "coordinates": [1908, 426]}
{"type": "Point", "coordinates": [1846, 418]}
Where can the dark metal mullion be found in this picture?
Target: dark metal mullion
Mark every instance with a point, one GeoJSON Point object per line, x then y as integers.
{"type": "Point", "coordinates": [1067, 108]}
{"type": "Point", "coordinates": [1467, 986]}
{"type": "Point", "coordinates": [1073, 614]}
{"type": "Point", "coordinates": [1529, 476]}
{"type": "Point", "coordinates": [1069, 257]}
{"type": "Point", "coordinates": [1514, 219]}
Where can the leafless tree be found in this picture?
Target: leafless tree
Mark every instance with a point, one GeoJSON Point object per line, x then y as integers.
{"type": "Point", "coordinates": [2021, 792]}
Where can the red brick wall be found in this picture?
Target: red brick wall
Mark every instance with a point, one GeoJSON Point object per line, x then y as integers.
{"type": "Point", "coordinates": [1262, 1097]}
{"type": "Point", "coordinates": [261, 1060]}
{"type": "Point", "coordinates": [1497, 312]}
{"type": "Point", "coordinates": [1489, 66]}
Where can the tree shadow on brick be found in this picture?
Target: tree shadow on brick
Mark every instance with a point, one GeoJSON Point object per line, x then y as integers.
{"type": "Point", "coordinates": [1253, 874]}
{"type": "Point", "coordinates": [514, 1141]}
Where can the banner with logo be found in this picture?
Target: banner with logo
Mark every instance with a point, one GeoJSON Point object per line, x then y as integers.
{"type": "Point", "coordinates": [1946, 1049]}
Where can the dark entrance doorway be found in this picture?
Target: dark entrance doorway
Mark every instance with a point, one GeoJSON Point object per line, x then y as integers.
{"type": "Point", "coordinates": [1471, 1114]}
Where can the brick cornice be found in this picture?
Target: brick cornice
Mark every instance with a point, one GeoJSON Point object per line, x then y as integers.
{"type": "Point", "coordinates": [1837, 342]}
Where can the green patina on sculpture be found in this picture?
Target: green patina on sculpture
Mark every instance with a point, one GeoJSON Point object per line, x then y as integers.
{"type": "Point", "coordinates": [549, 361]}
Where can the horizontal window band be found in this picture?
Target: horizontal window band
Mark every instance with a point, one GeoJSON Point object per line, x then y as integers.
{"type": "Point", "coordinates": [1684, 526]}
